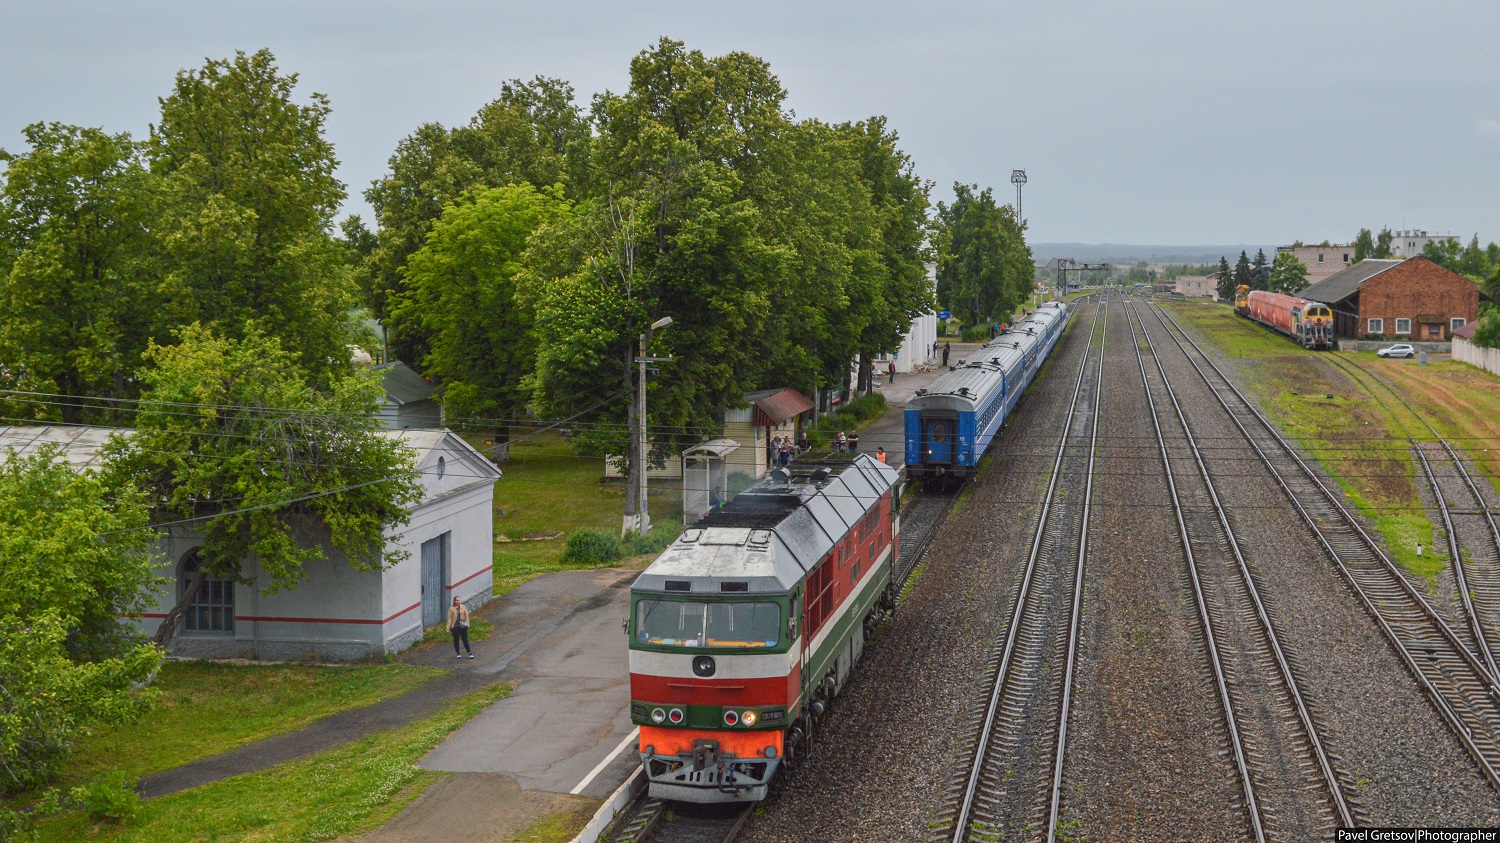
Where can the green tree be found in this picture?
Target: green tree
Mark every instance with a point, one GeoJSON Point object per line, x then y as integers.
{"type": "Point", "coordinates": [1383, 242]}
{"type": "Point", "coordinates": [1364, 245]}
{"type": "Point", "coordinates": [248, 198]}
{"type": "Point", "coordinates": [1225, 278]}
{"type": "Point", "coordinates": [462, 288]}
{"type": "Point", "coordinates": [979, 251]}
{"type": "Point", "coordinates": [73, 553]}
{"type": "Point", "coordinates": [1288, 275]}
{"type": "Point", "coordinates": [1446, 252]}
{"type": "Point", "coordinates": [234, 434]}
{"type": "Point", "coordinates": [533, 133]}
{"type": "Point", "coordinates": [1260, 271]}
{"type": "Point", "coordinates": [74, 310]}
{"type": "Point", "coordinates": [1242, 276]}
{"type": "Point", "coordinates": [1487, 332]}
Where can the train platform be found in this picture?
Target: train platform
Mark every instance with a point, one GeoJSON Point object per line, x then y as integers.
{"type": "Point", "coordinates": [562, 742]}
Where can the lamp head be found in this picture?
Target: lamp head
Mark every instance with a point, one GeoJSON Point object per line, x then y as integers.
{"type": "Point", "coordinates": [661, 323]}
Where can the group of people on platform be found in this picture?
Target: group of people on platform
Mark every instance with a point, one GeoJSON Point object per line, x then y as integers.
{"type": "Point", "coordinates": [783, 450]}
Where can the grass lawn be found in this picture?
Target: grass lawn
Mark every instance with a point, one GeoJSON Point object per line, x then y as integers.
{"type": "Point", "coordinates": [204, 708]}
{"type": "Point", "coordinates": [340, 792]}
{"type": "Point", "coordinates": [1355, 439]}
{"type": "Point", "coordinates": [548, 488]}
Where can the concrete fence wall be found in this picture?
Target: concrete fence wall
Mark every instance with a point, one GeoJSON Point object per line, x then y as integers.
{"type": "Point", "coordinates": [1368, 345]}
{"type": "Point", "coordinates": [1474, 355]}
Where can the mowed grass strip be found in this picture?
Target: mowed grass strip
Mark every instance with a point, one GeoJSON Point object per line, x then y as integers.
{"type": "Point", "coordinates": [344, 791]}
{"type": "Point", "coordinates": [546, 487]}
{"type": "Point", "coordinates": [207, 708]}
{"type": "Point", "coordinates": [1352, 436]}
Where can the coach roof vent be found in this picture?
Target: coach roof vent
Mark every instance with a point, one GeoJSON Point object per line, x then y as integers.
{"type": "Point", "coordinates": [734, 586]}
{"type": "Point", "coordinates": [678, 585]}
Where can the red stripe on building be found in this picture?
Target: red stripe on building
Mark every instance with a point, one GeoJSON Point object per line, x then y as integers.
{"type": "Point", "coordinates": [267, 619]}
{"type": "Point", "coordinates": [678, 690]}
{"type": "Point", "coordinates": [413, 606]}
{"type": "Point", "coordinates": [466, 579]}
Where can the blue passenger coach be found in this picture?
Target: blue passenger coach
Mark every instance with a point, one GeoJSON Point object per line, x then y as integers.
{"type": "Point", "coordinates": [950, 423]}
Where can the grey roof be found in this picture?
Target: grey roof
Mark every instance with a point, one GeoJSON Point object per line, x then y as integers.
{"type": "Point", "coordinates": [1343, 284]}
{"type": "Point", "coordinates": [773, 533]}
{"type": "Point", "coordinates": [80, 444]}
{"type": "Point", "coordinates": [403, 384]}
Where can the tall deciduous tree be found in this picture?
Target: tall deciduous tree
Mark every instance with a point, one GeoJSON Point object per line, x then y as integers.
{"type": "Point", "coordinates": [73, 553]}
{"type": "Point", "coordinates": [1383, 242]}
{"type": "Point", "coordinates": [273, 465]}
{"type": "Point", "coordinates": [984, 266]}
{"type": "Point", "coordinates": [679, 232]}
{"type": "Point", "coordinates": [462, 288]}
{"type": "Point", "coordinates": [533, 133]}
{"type": "Point", "coordinates": [1364, 245]}
{"type": "Point", "coordinates": [1288, 275]}
{"type": "Point", "coordinates": [249, 196]}
{"type": "Point", "coordinates": [74, 311]}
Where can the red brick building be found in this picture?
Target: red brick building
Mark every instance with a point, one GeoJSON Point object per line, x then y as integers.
{"type": "Point", "coordinates": [1412, 299]}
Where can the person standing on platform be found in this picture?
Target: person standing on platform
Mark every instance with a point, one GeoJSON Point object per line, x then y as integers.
{"type": "Point", "coordinates": [803, 443]}
{"type": "Point", "coordinates": [853, 441]}
{"type": "Point", "coordinates": [841, 444]}
{"type": "Point", "coordinates": [946, 347]}
{"type": "Point", "coordinates": [890, 369]}
{"type": "Point", "coordinates": [880, 454]}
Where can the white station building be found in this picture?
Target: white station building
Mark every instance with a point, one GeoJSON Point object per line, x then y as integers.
{"type": "Point", "coordinates": [336, 612]}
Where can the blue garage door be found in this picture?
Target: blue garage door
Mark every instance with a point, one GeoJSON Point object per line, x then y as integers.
{"type": "Point", "coordinates": [434, 577]}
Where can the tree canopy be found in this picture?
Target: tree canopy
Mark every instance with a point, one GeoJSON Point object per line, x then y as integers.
{"type": "Point", "coordinates": [984, 267]}
{"type": "Point", "coordinates": [73, 552]}
{"type": "Point", "coordinates": [1287, 274]}
{"type": "Point", "coordinates": [266, 462]}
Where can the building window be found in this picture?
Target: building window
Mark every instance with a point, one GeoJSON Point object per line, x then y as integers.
{"type": "Point", "coordinates": [1320, 257]}
{"type": "Point", "coordinates": [1457, 322]}
{"type": "Point", "coordinates": [1403, 326]}
{"type": "Point", "coordinates": [1377, 326]}
{"type": "Point", "coordinates": [1346, 257]}
{"type": "Point", "coordinates": [212, 610]}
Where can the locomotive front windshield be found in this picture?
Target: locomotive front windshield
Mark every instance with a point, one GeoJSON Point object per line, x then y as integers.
{"type": "Point", "coordinates": [678, 623]}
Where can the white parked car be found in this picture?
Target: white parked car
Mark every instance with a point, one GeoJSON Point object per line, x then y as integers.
{"type": "Point", "coordinates": [1398, 350]}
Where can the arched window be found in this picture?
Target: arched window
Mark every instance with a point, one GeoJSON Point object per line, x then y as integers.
{"type": "Point", "coordinates": [212, 610]}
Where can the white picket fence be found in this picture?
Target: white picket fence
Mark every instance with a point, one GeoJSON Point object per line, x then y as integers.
{"type": "Point", "coordinates": [1474, 355]}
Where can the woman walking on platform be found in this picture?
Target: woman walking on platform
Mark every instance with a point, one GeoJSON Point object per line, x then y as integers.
{"type": "Point", "coordinates": [458, 624]}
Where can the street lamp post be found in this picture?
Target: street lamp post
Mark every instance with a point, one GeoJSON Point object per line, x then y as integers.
{"type": "Point", "coordinates": [643, 522]}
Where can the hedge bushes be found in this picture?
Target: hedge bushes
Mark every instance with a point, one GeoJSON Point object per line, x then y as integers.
{"type": "Point", "coordinates": [590, 546]}
{"type": "Point", "coordinates": [846, 419]}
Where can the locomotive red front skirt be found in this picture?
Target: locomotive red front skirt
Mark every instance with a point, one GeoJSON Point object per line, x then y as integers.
{"type": "Point", "coordinates": [709, 766]}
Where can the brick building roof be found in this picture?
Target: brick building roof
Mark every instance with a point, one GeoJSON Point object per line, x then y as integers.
{"type": "Point", "coordinates": [1341, 285]}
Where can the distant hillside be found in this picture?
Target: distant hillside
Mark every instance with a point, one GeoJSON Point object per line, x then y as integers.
{"type": "Point", "coordinates": [1127, 254]}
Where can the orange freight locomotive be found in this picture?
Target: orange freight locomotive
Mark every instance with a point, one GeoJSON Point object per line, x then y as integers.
{"type": "Point", "coordinates": [1310, 323]}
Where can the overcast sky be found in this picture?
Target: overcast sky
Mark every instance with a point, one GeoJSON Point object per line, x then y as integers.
{"type": "Point", "coordinates": [1149, 121]}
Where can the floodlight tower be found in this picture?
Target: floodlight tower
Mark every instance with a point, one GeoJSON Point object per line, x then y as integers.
{"type": "Point", "coordinates": [1018, 178]}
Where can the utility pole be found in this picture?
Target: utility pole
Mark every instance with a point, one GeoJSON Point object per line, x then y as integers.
{"type": "Point", "coordinates": [638, 464]}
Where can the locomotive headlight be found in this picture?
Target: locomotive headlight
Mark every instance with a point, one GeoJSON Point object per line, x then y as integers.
{"type": "Point", "coordinates": [748, 718]}
{"type": "Point", "coordinates": [770, 752]}
{"type": "Point", "coordinates": [675, 715]}
{"type": "Point", "coordinates": [657, 716]}
{"type": "Point", "coordinates": [730, 718]}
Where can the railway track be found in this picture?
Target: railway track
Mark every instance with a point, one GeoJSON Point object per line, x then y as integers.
{"type": "Point", "coordinates": [1472, 535]}
{"type": "Point", "coordinates": [1457, 683]}
{"type": "Point", "coordinates": [655, 821]}
{"type": "Point", "coordinates": [1002, 792]}
{"type": "Point", "coordinates": [920, 519]}
{"type": "Point", "coordinates": [1287, 778]}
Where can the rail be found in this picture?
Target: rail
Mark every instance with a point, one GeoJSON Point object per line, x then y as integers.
{"type": "Point", "coordinates": [1267, 640]}
{"type": "Point", "coordinates": [1458, 685]}
{"type": "Point", "coordinates": [963, 812]}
